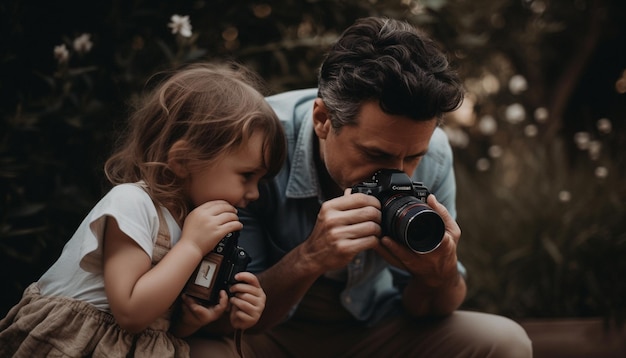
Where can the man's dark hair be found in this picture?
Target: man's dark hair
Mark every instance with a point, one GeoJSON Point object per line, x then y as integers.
{"type": "Point", "coordinates": [392, 62]}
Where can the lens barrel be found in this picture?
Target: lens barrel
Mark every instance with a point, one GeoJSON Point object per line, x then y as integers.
{"type": "Point", "coordinates": [413, 223]}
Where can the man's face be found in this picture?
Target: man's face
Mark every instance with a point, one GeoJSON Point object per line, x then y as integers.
{"type": "Point", "coordinates": [378, 141]}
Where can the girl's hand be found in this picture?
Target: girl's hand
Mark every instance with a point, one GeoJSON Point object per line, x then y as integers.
{"type": "Point", "coordinates": [207, 224]}
{"type": "Point", "coordinates": [248, 301]}
{"type": "Point", "coordinates": [194, 315]}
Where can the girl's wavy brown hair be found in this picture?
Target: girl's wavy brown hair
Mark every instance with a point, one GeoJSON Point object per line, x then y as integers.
{"type": "Point", "coordinates": [214, 108]}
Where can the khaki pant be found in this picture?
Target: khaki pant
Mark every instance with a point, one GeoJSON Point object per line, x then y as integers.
{"type": "Point", "coordinates": [322, 328]}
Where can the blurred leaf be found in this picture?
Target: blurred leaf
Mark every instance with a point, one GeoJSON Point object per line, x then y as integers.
{"type": "Point", "coordinates": [553, 250]}
{"type": "Point", "coordinates": [79, 71]}
{"type": "Point", "coordinates": [434, 4]}
{"type": "Point", "coordinates": [26, 210]}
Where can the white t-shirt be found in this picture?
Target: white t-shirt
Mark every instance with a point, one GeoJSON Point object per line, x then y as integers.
{"type": "Point", "coordinates": [78, 273]}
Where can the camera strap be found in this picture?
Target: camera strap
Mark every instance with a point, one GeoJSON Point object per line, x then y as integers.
{"type": "Point", "coordinates": [238, 336]}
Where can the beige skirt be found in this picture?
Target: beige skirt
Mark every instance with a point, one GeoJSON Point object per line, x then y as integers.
{"type": "Point", "coordinates": [41, 326]}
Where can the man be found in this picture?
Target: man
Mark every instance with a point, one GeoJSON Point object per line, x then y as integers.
{"type": "Point", "coordinates": [336, 287]}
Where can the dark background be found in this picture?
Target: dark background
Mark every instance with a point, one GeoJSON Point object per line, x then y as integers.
{"type": "Point", "coordinates": [530, 253]}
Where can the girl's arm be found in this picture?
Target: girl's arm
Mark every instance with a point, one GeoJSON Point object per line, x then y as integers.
{"type": "Point", "coordinates": [139, 294]}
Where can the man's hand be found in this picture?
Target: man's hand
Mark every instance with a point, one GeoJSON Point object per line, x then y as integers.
{"type": "Point", "coordinates": [345, 226]}
{"type": "Point", "coordinates": [434, 268]}
{"type": "Point", "coordinates": [436, 286]}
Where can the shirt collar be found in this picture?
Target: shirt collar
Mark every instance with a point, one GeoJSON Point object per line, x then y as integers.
{"type": "Point", "coordinates": [303, 180]}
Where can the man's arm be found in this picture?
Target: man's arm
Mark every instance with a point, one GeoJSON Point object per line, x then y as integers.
{"type": "Point", "coordinates": [435, 287]}
{"type": "Point", "coordinates": [345, 226]}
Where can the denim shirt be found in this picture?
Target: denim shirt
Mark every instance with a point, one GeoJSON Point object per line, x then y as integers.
{"type": "Point", "coordinates": [285, 213]}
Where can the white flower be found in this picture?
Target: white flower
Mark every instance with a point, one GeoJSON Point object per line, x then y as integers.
{"type": "Point", "coordinates": [515, 113]}
{"type": "Point", "coordinates": [538, 7]}
{"type": "Point", "coordinates": [601, 172]}
{"type": "Point", "coordinates": [483, 164]}
{"type": "Point", "coordinates": [541, 114]}
{"type": "Point", "coordinates": [262, 11]}
{"type": "Point", "coordinates": [531, 130]}
{"type": "Point", "coordinates": [565, 196]}
{"type": "Point", "coordinates": [582, 140]}
{"type": "Point", "coordinates": [495, 151]}
{"type": "Point", "coordinates": [83, 44]}
{"type": "Point", "coordinates": [487, 125]}
{"type": "Point", "coordinates": [180, 25]}
{"type": "Point", "coordinates": [464, 115]}
{"type": "Point", "coordinates": [595, 148]}
{"type": "Point", "coordinates": [61, 54]}
{"type": "Point", "coordinates": [620, 85]}
{"type": "Point", "coordinates": [518, 84]}
{"type": "Point", "coordinates": [490, 84]}
{"type": "Point", "coordinates": [604, 125]}
{"type": "Point", "coordinates": [456, 137]}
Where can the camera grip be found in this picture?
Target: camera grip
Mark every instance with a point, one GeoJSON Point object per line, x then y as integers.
{"type": "Point", "coordinates": [217, 271]}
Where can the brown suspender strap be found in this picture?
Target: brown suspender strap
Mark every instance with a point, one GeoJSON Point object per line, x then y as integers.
{"type": "Point", "coordinates": [162, 246]}
{"type": "Point", "coordinates": [163, 243]}
{"type": "Point", "coordinates": [238, 337]}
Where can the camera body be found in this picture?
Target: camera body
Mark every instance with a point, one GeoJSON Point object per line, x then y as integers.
{"type": "Point", "coordinates": [217, 270]}
{"type": "Point", "coordinates": [406, 217]}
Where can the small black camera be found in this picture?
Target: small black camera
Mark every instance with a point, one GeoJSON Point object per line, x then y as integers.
{"type": "Point", "coordinates": [406, 217]}
{"type": "Point", "coordinates": [217, 271]}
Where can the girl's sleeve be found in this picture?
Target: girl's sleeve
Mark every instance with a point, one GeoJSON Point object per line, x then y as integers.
{"type": "Point", "coordinates": [135, 214]}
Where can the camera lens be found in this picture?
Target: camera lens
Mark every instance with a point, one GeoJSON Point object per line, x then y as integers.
{"type": "Point", "coordinates": [411, 222]}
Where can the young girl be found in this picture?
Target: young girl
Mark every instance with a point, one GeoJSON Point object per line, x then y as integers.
{"type": "Point", "coordinates": [196, 149]}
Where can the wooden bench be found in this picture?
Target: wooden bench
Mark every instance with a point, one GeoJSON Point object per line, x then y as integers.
{"type": "Point", "coordinates": [575, 338]}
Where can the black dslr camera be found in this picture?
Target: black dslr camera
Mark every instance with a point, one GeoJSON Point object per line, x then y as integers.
{"type": "Point", "coordinates": [406, 217]}
{"type": "Point", "coordinates": [217, 271]}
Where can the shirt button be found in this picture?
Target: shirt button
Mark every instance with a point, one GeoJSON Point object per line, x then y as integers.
{"type": "Point", "coordinates": [348, 299]}
{"type": "Point", "coordinates": [357, 261]}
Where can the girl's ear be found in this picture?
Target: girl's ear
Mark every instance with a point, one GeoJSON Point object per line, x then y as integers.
{"type": "Point", "coordinates": [321, 119]}
{"type": "Point", "coordinates": [175, 159]}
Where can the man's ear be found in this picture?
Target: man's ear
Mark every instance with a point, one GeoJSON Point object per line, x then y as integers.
{"type": "Point", "coordinates": [175, 158]}
{"type": "Point", "coordinates": [321, 119]}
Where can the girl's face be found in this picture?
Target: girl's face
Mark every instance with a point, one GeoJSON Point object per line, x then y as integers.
{"type": "Point", "coordinates": [233, 178]}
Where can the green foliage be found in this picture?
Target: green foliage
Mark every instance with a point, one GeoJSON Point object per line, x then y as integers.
{"type": "Point", "coordinates": [528, 253]}
{"type": "Point", "coordinates": [60, 118]}
{"type": "Point", "coordinates": [531, 251]}
{"type": "Point", "coordinates": [554, 236]}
